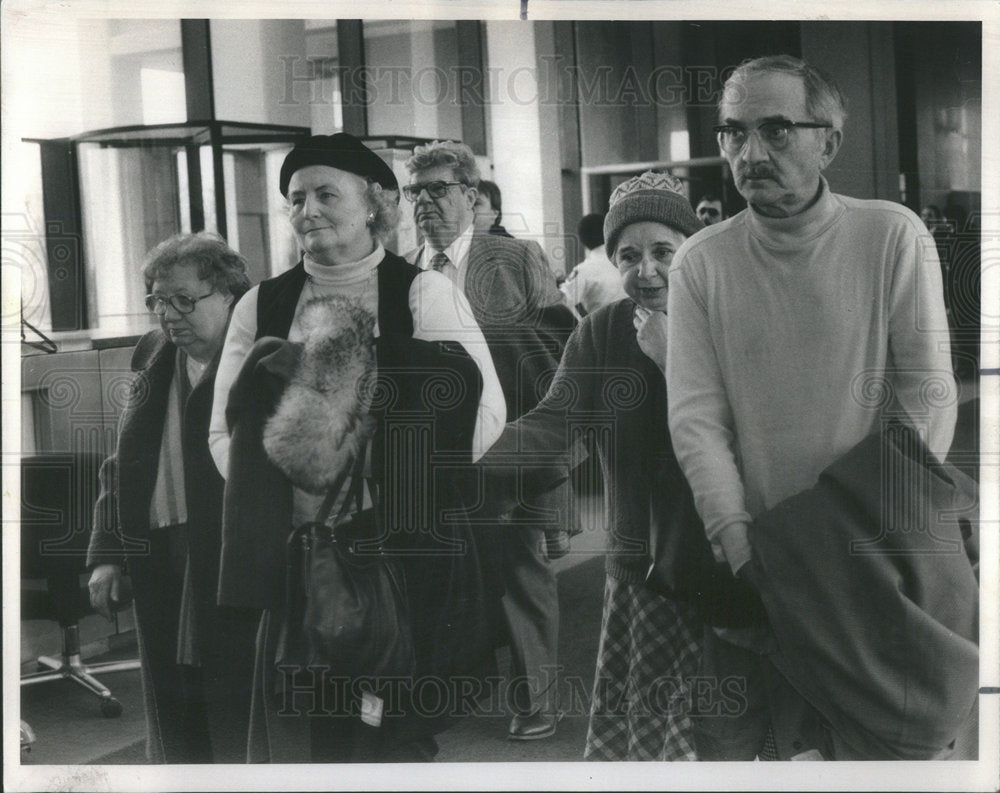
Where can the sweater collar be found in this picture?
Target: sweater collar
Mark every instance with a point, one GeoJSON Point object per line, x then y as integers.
{"type": "Point", "coordinates": [344, 274]}
{"type": "Point", "coordinates": [794, 230]}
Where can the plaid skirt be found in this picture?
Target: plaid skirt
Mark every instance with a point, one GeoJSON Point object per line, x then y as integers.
{"type": "Point", "coordinates": [649, 651]}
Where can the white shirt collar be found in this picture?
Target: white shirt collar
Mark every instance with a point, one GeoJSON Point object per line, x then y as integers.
{"type": "Point", "coordinates": [457, 252]}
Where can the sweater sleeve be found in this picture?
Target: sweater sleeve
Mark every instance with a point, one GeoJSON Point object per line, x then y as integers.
{"type": "Point", "coordinates": [701, 420]}
{"type": "Point", "coordinates": [239, 340]}
{"type": "Point", "coordinates": [919, 348]}
{"type": "Point", "coordinates": [442, 313]}
{"type": "Point", "coordinates": [535, 453]}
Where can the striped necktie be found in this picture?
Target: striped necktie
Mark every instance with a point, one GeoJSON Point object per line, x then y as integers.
{"type": "Point", "coordinates": [439, 262]}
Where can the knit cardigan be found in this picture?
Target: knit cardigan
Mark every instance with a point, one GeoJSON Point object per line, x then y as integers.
{"type": "Point", "coordinates": [605, 387]}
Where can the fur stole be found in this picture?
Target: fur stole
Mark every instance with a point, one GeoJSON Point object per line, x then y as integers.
{"type": "Point", "coordinates": [322, 419]}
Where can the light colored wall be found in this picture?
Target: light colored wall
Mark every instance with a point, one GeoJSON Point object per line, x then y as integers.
{"type": "Point", "coordinates": [249, 75]}
{"type": "Point", "coordinates": [524, 135]}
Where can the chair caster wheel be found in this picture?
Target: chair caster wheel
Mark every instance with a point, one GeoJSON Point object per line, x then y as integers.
{"type": "Point", "coordinates": [111, 708]}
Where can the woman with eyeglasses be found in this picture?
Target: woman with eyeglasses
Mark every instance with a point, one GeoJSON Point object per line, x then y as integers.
{"type": "Point", "coordinates": [159, 515]}
{"type": "Point", "coordinates": [291, 413]}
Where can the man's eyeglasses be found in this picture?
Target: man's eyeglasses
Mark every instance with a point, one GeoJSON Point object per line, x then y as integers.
{"type": "Point", "coordinates": [182, 304]}
{"type": "Point", "coordinates": [773, 134]}
{"type": "Point", "coordinates": [712, 212]}
{"type": "Point", "coordinates": [434, 189]}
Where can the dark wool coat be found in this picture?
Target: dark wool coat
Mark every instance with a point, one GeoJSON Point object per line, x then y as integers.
{"type": "Point", "coordinates": [452, 589]}
{"type": "Point", "coordinates": [121, 535]}
{"type": "Point", "coordinates": [869, 580]}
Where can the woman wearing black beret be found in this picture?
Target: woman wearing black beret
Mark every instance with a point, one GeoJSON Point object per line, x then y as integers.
{"type": "Point", "coordinates": [342, 204]}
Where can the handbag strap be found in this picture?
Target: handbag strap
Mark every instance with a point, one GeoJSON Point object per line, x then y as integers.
{"type": "Point", "coordinates": [357, 492]}
{"type": "Point", "coordinates": [356, 472]}
{"type": "Point", "coordinates": [337, 486]}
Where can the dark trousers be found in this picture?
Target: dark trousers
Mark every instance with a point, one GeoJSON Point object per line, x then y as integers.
{"type": "Point", "coordinates": [203, 711]}
{"type": "Point", "coordinates": [739, 697]}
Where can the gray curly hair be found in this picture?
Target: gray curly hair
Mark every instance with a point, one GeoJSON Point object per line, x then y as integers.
{"type": "Point", "coordinates": [449, 154]}
{"type": "Point", "coordinates": [215, 261]}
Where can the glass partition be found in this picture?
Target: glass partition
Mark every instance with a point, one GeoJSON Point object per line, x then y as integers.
{"type": "Point", "coordinates": [140, 185]}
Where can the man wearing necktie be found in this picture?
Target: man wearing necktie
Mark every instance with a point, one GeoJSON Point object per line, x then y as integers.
{"type": "Point", "coordinates": [516, 302]}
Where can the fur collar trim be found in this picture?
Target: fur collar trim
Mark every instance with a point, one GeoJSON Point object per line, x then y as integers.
{"type": "Point", "coordinates": [322, 420]}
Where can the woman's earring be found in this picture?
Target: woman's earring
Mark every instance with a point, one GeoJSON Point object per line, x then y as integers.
{"type": "Point", "coordinates": [371, 219]}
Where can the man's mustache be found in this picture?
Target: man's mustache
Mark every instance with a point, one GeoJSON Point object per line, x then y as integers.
{"type": "Point", "coordinates": [758, 173]}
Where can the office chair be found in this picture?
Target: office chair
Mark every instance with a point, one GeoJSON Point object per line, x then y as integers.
{"type": "Point", "coordinates": [58, 492]}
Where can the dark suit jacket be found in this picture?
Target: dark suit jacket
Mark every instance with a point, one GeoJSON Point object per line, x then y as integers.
{"type": "Point", "coordinates": [521, 312]}
{"type": "Point", "coordinates": [121, 535]}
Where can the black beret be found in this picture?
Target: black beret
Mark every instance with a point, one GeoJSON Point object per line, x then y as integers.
{"type": "Point", "coordinates": [341, 151]}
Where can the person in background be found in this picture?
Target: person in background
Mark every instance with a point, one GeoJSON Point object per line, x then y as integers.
{"type": "Point", "coordinates": [342, 204]}
{"type": "Point", "coordinates": [595, 281]}
{"type": "Point", "coordinates": [515, 301]}
{"type": "Point", "coordinates": [649, 645]}
{"type": "Point", "coordinates": [160, 513]}
{"type": "Point", "coordinates": [489, 210]}
{"type": "Point", "coordinates": [786, 329]}
{"type": "Point", "coordinates": [710, 209]}
{"type": "Point", "coordinates": [931, 217]}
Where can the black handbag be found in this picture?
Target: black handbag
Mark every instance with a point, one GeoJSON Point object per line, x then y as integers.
{"type": "Point", "coordinates": [346, 608]}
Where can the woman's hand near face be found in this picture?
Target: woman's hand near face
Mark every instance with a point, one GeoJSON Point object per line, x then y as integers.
{"type": "Point", "coordinates": [105, 589]}
{"type": "Point", "coordinates": [652, 338]}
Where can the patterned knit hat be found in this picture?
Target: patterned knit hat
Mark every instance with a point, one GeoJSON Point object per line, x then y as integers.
{"type": "Point", "coordinates": [649, 196]}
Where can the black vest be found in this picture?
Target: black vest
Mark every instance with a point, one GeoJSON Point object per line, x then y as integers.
{"type": "Point", "coordinates": [277, 298]}
{"type": "Point", "coordinates": [453, 595]}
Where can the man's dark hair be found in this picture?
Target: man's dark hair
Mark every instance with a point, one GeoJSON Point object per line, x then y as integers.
{"type": "Point", "coordinates": [492, 191]}
{"type": "Point", "coordinates": [590, 230]}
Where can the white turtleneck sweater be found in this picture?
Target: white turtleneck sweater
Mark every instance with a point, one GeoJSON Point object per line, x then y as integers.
{"type": "Point", "coordinates": [786, 337]}
{"type": "Point", "coordinates": [440, 313]}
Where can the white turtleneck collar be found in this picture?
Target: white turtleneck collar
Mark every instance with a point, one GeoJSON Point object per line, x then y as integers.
{"type": "Point", "coordinates": [344, 274]}
{"type": "Point", "coordinates": [797, 229]}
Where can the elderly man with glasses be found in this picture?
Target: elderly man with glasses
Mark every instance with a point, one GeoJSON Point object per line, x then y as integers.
{"type": "Point", "coordinates": [515, 301]}
{"type": "Point", "coordinates": [796, 329]}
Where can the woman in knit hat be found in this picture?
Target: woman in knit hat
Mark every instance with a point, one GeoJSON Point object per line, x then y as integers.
{"type": "Point", "coordinates": [610, 385]}
{"type": "Point", "coordinates": [295, 406]}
